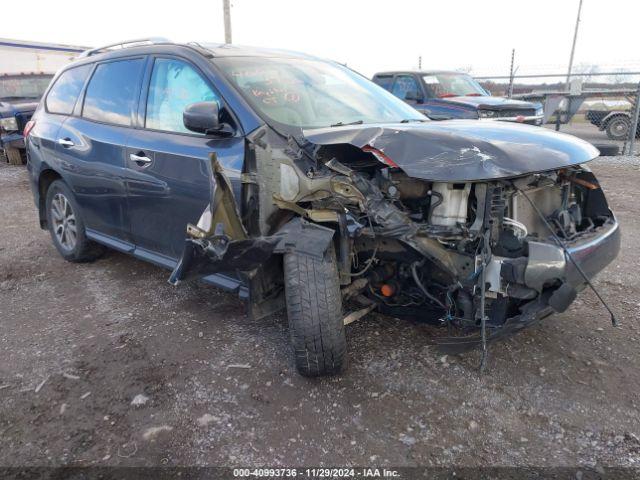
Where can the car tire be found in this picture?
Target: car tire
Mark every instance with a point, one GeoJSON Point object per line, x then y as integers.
{"type": "Point", "coordinates": [314, 308]}
{"type": "Point", "coordinates": [618, 128]}
{"type": "Point", "coordinates": [14, 157]}
{"type": "Point", "coordinates": [65, 224]}
{"type": "Point", "coordinates": [607, 150]}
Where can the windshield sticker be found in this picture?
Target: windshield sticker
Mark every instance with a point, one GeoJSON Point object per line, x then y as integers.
{"type": "Point", "coordinates": [430, 79]}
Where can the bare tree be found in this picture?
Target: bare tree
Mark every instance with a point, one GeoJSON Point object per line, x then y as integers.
{"type": "Point", "coordinates": [586, 69]}
{"type": "Point", "coordinates": [619, 77]}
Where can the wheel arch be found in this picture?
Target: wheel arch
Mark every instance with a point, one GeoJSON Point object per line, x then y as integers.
{"type": "Point", "coordinates": [45, 179]}
{"type": "Point", "coordinates": [605, 121]}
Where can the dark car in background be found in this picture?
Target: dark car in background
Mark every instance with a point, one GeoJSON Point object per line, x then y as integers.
{"type": "Point", "coordinates": [299, 184]}
{"type": "Point", "coordinates": [616, 123]}
{"type": "Point", "coordinates": [19, 97]}
{"type": "Point", "coordinates": [443, 95]}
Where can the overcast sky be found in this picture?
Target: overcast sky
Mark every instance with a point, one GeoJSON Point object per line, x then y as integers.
{"type": "Point", "coordinates": [369, 36]}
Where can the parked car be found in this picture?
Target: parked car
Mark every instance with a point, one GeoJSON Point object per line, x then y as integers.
{"type": "Point", "coordinates": [616, 123]}
{"type": "Point", "coordinates": [26, 68]}
{"type": "Point", "coordinates": [297, 183]}
{"type": "Point", "coordinates": [442, 95]}
{"type": "Point", "coordinates": [19, 97]}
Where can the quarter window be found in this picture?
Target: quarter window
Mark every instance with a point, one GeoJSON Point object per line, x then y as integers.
{"type": "Point", "coordinates": [64, 93]}
{"type": "Point", "coordinates": [112, 92]}
{"type": "Point", "coordinates": [174, 86]}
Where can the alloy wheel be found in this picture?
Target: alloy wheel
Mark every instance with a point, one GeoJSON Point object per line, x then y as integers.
{"type": "Point", "coordinates": [64, 222]}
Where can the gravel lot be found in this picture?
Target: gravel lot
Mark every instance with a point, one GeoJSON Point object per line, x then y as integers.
{"type": "Point", "coordinates": [79, 343]}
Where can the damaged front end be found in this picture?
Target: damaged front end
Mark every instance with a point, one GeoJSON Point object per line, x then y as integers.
{"type": "Point", "coordinates": [449, 223]}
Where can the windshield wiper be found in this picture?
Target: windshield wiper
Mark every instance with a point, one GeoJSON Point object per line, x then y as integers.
{"type": "Point", "coordinates": [407, 120]}
{"type": "Point", "coordinates": [342, 124]}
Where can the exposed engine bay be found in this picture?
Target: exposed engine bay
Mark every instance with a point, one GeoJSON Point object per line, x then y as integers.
{"type": "Point", "coordinates": [425, 249]}
{"type": "Point", "coordinates": [484, 257]}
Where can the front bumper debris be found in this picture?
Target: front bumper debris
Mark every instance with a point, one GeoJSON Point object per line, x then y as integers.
{"type": "Point", "coordinates": [545, 266]}
{"type": "Point", "coordinates": [548, 264]}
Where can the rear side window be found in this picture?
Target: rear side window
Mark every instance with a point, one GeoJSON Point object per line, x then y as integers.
{"type": "Point", "coordinates": [174, 86]}
{"type": "Point", "coordinates": [112, 92]}
{"type": "Point", "coordinates": [384, 81]}
{"type": "Point", "coordinates": [64, 93]}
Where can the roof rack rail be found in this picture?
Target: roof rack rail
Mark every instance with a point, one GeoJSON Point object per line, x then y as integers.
{"type": "Point", "coordinates": [125, 44]}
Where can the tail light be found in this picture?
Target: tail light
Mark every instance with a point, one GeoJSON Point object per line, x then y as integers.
{"type": "Point", "coordinates": [379, 154]}
{"type": "Point", "coordinates": [28, 127]}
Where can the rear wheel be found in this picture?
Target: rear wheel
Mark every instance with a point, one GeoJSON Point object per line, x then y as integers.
{"type": "Point", "coordinates": [314, 308]}
{"type": "Point", "coordinates": [618, 128]}
{"type": "Point", "coordinates": [66, 226]}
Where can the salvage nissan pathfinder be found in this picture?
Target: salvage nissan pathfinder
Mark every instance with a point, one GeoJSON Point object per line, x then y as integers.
{"type": "Point", "coordinates": [300, 184]}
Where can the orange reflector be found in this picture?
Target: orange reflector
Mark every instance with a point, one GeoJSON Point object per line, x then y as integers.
{"type": "Point", "coordinates": [380, 155]}
{"type": "Point", "coordinates": [387, 290]}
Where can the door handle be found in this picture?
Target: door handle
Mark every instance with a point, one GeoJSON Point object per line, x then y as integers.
{"type": "Point", "coordinates": [141, 160]}
{"type": "Point", "coordinates": [66, 142]}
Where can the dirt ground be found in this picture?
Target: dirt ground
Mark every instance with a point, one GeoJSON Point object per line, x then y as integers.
{"type": "Point", "coordinates": [80, 342]}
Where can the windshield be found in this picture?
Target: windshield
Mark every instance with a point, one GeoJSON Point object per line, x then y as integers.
{"type": "Point", "coordinates": [312, 93]}
{"type": "Point", "coordinates": [444, 85]}
{"type": "Point", "coordinates": [24, 87]}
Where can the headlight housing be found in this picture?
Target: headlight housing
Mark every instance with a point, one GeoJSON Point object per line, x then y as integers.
{"type": "Point", "coordinates": [9, 124]}
{"type": "Point", "coordinates": [486, 113]}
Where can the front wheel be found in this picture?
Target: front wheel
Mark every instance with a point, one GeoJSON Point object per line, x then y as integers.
{"type": "Point", "coordinates": [314, 308]}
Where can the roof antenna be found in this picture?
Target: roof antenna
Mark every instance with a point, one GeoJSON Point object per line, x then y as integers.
{"type": "Point", "coordinates": [560, 243]}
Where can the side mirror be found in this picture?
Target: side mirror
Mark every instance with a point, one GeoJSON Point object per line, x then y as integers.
{"type": "Point", "coordinates": [204, 117]}
{"type": "Point", "coordinates": [413, 96]}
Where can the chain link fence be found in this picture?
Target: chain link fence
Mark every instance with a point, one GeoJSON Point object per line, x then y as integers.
{"type": "Point", "coordinates": [600, 107]}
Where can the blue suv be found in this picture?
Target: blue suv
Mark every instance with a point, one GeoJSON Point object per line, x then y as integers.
{"type": "Point", "coordinates": [299, 184]}
{"type": "Point", "coordinates": [443, 95]}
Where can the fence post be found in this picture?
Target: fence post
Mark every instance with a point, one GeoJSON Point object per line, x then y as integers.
{"type": "Point", "coordinates": [634, 121]}
{"type": "Point", "coordinates": [511, 75]}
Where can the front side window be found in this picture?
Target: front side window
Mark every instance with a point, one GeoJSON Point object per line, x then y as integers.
{"type": "Point", "coordinates": [63, 95]}
{"type": "Point", "coordinates": [112, 92]}
{"type": "Point", "coordinates": [174, 85]}
{"type": "Point", "coordinates": [312, 93]}
{"type": "Point", "coordinates": [403, 85]}
{"type": "Point", "coordinates": [443, 85]}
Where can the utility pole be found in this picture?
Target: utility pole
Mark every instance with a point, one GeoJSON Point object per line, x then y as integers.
{"type": "Point", "coordinates": [573, 46]}
{"type": "Point", "coordinates": [226, 5]}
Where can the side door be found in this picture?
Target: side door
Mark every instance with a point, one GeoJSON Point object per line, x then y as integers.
{"type": "Point", "coordinates": [167, 172]}
{"type": "Point", "coordinates": [92, 143]}
{"type": "Point", "coordinates": [51, 114]}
